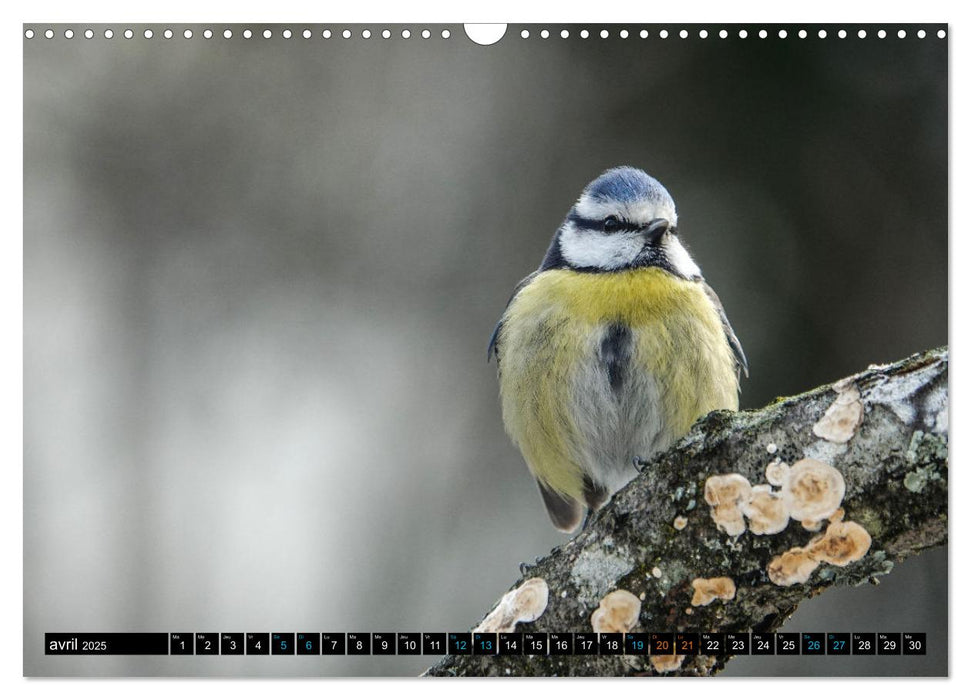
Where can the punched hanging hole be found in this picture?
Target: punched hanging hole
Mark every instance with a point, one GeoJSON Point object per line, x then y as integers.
{"type": "Point", "coordinates": [29, 33]}
{"type": "Point", "coordinates": [485, 34]}
{"type": "Point", "coordinates": [167, 34]}
{"type": "Point", "coordinates": [187, 33]}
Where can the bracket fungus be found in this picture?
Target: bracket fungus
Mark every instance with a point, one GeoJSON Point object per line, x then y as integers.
{"type": "Point", "coordinates": [618, 612]}
{"type": "Point", "coordinates": [841, 544]}
{"type": "Point", "coordinates": [813, 492]}
{"type": "Point", "coordinates": [708, 589]}
{"type": "Point", "coordinates": [523, 604]}
{"type": "Point", "coordinates": [843, 416]}
{"type": "Point", "coordinates": [791, 567]}
{"type": "Point", "coordinates": [668, 662]}
{"type": "Point", "coordinates": [727, 494]}
{"type": "Point", "coordinates": [766, 511]}
{"type": "Point", "coordinates": [777, 472]}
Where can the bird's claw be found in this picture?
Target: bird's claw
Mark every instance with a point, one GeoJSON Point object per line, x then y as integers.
{"type": "Point", "coordinates": [639, 464]}
{"type": "Point", "coordinates": [586, 520]}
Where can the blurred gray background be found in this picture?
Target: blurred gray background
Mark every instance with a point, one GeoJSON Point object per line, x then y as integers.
{"type": "Point", "coordinates": [260, 276]}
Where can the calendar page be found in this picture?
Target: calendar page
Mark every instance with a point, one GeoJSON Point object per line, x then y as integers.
{"type": "Point", "coordinates": [386, 349]}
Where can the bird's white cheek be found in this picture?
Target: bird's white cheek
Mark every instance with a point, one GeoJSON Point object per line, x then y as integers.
{"type": "Point", "coordinates": [680, 259]}
{"type": "Point", "coordinates": [592, 249]}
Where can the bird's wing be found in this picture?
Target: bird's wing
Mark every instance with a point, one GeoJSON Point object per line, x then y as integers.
{"type": "Point", "coordinates": [494, 340]}
{"type": "Point", "coordinates": [740, 361]}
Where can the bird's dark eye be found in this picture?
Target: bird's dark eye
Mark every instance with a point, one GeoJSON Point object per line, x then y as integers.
{"type": "Point", "coordinates": [612, 224]}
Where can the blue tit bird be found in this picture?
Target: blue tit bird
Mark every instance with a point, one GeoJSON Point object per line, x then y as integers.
{"type": "Point", "coordinates": [613, 348]}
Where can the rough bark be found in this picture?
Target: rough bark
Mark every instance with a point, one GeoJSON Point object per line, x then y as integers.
{"type": "Point", "coordinates": [895, 470]}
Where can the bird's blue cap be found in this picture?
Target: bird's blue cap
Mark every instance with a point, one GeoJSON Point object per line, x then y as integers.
{"type": "Point", "coordinates": [626, 184]}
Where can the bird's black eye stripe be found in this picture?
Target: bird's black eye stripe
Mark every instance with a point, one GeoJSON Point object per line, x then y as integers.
{"type": "Point", "coordinates": [611, 224]}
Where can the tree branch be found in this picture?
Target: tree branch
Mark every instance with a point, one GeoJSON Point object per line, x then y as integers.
{"type": "Point", "coordinates": [895, 470]}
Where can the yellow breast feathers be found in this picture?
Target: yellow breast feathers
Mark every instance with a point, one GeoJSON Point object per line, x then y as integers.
{"type": "Point", "coordinates": [552, 334]}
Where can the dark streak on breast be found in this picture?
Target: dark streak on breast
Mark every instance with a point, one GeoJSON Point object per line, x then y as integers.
{"type": "Point", "coordinates": [615, 353]}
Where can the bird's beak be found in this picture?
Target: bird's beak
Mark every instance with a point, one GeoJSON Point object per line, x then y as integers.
{"type": "Point", "coordinates": [655, 230]}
